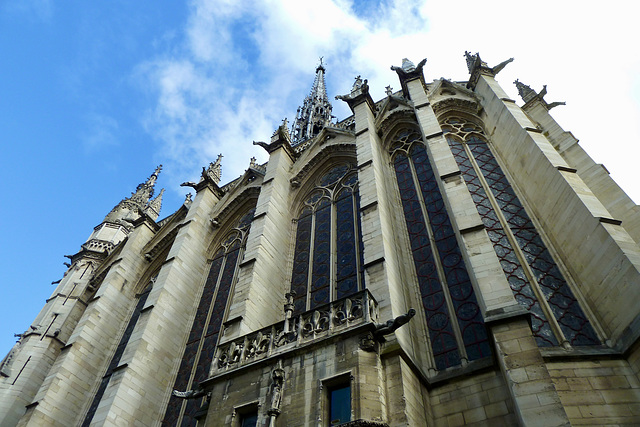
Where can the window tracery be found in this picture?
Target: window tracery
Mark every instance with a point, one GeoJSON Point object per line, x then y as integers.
{"type": "Point", "coordinates": [455, 326]}
{"type": "Point", "coordinates": [534, 277]}
{"type": "Point", "coordinates": [205, 330]}
{"type": "Point", "coordinates": [117, 356]}
{"type": "Point", "coordinates": [327, 262]}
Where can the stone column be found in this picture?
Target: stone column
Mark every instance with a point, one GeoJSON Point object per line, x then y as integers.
{"type": "Point", "coordinates": [149, 364]}
{"type": "Point", "coordinates": [599, 253]}
{"type": "Point", "coordinates": [595, 175]}
{"type": "Point", "coordinates": [69, 387]}
{"type": "Point", "coordinates": [262, 278]}
{"type": "Point", "coordinates": [382, 276]}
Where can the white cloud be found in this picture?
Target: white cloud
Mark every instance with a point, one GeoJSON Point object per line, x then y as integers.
{"type": "Point", "coordinates": [246, 65]}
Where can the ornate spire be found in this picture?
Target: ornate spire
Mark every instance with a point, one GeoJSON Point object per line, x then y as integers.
{"type": "Point", "coordinates": [153, 209]}
{"type": "Point", "coordinates": [478, 67]}
{"type": "Point", "coordinates": [131, 208]}
{"type": "Point", "coordinates": [315, 112]}
{"type": "Point", "coordinates": [144, 191]}
{"type": "Point", "coordinates": [525, 91]}
{"type": "Point", "coordinates": [527, 94]}
{"type": "Point", "coordinates": [215, 169]}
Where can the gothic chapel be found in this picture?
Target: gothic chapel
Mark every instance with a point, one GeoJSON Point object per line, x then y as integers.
{"type": "Point", "coordinates": [441, 257]}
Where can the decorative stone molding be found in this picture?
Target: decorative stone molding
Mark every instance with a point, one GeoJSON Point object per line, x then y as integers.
{"type": "Point", "coordinates": [325, 321]}
{"type": "Point", "coordinates": [348, 149]}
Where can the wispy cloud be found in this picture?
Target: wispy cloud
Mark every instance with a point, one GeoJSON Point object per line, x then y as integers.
{"type": "Point", "coordinates": [37, 11]}
{"type": "Point", "coordinates": [243, 66]}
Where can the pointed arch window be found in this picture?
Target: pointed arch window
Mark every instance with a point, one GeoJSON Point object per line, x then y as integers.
{"type": "Point", "coordinates": [327, 262]}
{"type": "Point", "coordinates": [122, 345]}
{"type": "Point", "coordinates": [533, 275]}
{"type": "Point", "coordinates": [203, 337]}
{"type": "Point", "coordinates": [455, 326]}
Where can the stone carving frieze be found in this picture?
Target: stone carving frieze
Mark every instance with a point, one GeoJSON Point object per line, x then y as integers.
{"type": "Point", "coordinates": [319, 157]}
{"type": "Point", "coordinates": [275, 340]}
{"type": "Point", "coordinates": [456, 104]}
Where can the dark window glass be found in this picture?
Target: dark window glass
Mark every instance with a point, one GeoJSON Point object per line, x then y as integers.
{"type": "Point", "coordinates": [339, 405]}
{"type": "Point", "coordinates": [559, 298]}
{"type": "Point", "coordinates": [440, 268]}
{"type": "Point", "coordinates": [196, 364]}
{"type": "Point", "coordinates": [115, 359]}
{"type": "Point", "coordinates": [327, 262]}
{"type": "Point", "coordinates": [249, 420]}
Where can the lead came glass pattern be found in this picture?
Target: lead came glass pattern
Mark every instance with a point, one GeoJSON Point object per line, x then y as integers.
{"type": "Point", "coordinates": [203, 337]}
{"type": "Point", "coordinates": [443, 341]}
{"type": "Point", "coordinates": [413, 168]}
{"type": "Point", "coordinates": [327, 262]}
{"type": "Point", "coordinates": [115, 359]}
{"type": "Point", "coordinates": [558, 296]}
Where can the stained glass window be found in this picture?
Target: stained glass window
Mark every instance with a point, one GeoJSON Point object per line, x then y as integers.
{"type": "Point", "coordinates": [327, 262]}
{"type": "Point", "coordinates": [455, 325]}
{"type": "Point", "coordinates": [115, 359]}
{"type": "Point", "coordinates": [203, 337]}
{"type": "Point", "coordinates": [533, 275]}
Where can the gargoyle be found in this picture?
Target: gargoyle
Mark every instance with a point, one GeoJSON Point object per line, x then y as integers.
{"type": "Point", "coordinates": [383, 329]}
{"type": "Point", "coordinates": [188, 184]}
{"type": "Point", "coordinates": [189, 394]}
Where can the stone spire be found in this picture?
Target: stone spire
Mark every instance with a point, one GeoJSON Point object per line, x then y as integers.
{"type": "Point", "coordinates": [315, 112]}
{"type": "Point", "coordinates": [527, 94]}
{"type": "Point", "coordinates": [215, 169]}
{"type": "Point", "coordinates": [132, 208]}
{"type": "Point", "coordinates": [153, 209]}
{"type": "Point", "coordinates": [145, 190]}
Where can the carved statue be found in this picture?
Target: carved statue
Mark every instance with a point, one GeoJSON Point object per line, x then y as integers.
{"type": "Point", "coordinates": [383, 329]}
{"type": "Point", "coordinates": [277, 377]}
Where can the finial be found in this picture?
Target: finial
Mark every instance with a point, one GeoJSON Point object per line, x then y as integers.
{"type": "Point", "coordinates": [525, 91]}
{"type": "Point", "coordinates": [214, 171]}
{"type": "Point", "coordinates": [154, 176]}
{"type": "Point", "coordinates": [471, 60]}
{"type": "Point", "coordinates": [527, 94]}
{"type": "Point", "coordinates": [388, 90]}
{"type": "Point", "coordinates": [252, 162]}
{"type": "Point", "coordinates": [154, 206]}
{"type": "Point", "coordinates": [357, 83]}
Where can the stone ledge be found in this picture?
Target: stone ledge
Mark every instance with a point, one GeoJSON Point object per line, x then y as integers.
{"type": "Point", "coordinates": [500, 315]}
{"type": "Point", "coordinates": [368, 206]}
{"type": "Point", "coordinates": [360, 132]}
{"type": "Point", "coordinates": [609, 220]}
{"type": "Point", "coordinates": [365, 164]}
{"type": "Point", "coordinates": [566, 169]}
{"type": "Point", "coordinates": [450, 175]}
{"type": "Point", "coordinates": [473, 228]}
{"type": "Point", "coordinates": [434, 135]}
{"type": "Point", "coordinates": [372, 263]}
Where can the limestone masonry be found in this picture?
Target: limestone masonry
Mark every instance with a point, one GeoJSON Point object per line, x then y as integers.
{"type": "Point", "coordinates": [442, 257]}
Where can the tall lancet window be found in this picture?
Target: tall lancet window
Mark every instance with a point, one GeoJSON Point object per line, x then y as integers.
{"type": "Point", "coordinates": [455, 326]}
{"type": "Point", "coordinates": [122, 345]}
{"type": "Point", "coordinates": [327, 263]}
{"type": "Point", "coordinates": [203, 338]}
{"type": "Point", "coordinates": [535, 278]}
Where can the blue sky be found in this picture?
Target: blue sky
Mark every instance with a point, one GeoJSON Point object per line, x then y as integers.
{"type": "Point", "coordinates": [94, 95]}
